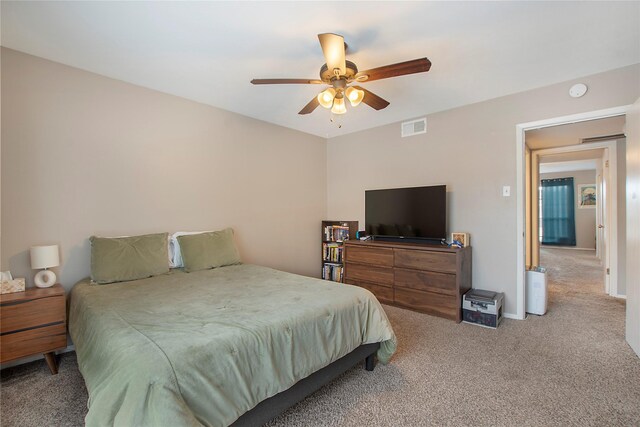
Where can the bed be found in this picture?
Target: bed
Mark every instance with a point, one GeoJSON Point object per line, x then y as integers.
{"type": "Point", "coordinates": [207, 347]}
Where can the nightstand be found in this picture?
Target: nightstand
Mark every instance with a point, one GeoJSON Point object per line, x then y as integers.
{"type": "Point", "coordinates": [32, 322]}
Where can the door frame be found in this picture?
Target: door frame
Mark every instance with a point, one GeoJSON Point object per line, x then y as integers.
{"type": "Point", "coordinates": [609, 176]}
{"type": "Point", "coordinates": [521, 128]}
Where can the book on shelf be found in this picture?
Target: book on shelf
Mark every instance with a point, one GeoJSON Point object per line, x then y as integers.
{"type": "Point", "coordinates": [336, 233]}
{"type": "Point", "coordinates": [332, 252]}
{"type": "Point", "coordinates": [332, 272]}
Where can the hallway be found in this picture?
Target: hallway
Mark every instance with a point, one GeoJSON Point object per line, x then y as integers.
{"type": "Point", "coordinates": [578, 302]}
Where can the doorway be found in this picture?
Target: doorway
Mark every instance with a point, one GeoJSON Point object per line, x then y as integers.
{"type": "Point", "coordinates": [529, 160]}
{"type": "Point", "coordinates": [568, 200]}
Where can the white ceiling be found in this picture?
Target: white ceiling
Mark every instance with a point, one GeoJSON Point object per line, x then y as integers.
{"type": "Point", "coordinates": [573, 133]}
{"type": "Point", "coordinates": [570, 166]}
{"type": "Point", "coordinates": [209, 51]}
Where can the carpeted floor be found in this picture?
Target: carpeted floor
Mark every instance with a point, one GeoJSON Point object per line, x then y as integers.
{"type": "Point", "coordinates": [569, 367]}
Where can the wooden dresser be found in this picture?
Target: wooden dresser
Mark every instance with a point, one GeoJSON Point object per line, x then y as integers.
{"type": "Point", "coordinates": [32, 322]}
{"type": "Point", "coordinates": [426, 278]}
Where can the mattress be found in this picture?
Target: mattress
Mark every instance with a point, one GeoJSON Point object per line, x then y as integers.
{"type": "Point", "coordinates": [203, 348]}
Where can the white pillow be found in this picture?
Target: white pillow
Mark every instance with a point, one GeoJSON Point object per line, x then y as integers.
{"type": "Point", "coordinates": [175, 256]}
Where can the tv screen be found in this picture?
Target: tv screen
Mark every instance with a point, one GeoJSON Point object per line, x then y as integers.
{"type": "Point", "coordinates": [410, 213]}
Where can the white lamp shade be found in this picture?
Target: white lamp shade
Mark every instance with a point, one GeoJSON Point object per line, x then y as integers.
{"type": "Point", "coordinates": [44, 256]}
{"type": "Point", "coordinates": [325, 98]}
{"type": "Point", "coordinates": [355, 96]}
{"type": "Point", "coordinates": [338, 106]}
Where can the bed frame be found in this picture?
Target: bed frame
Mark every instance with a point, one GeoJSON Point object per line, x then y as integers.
{"type": "Point", "coordinates": [275, 405]}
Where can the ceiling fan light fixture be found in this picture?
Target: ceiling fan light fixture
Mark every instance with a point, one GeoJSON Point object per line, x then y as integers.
{"type": "Point", "coordinates": [338, 106]}
{"type": "Point", "coordinates": [355, 96]}
{"type": "Point", "coordinates": [325, 98]}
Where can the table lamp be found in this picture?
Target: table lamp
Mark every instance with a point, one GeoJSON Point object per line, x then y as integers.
{"type": "Point", "coordinates": [44, 257]}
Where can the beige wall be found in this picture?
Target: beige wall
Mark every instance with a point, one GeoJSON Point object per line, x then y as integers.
{"type": "Point", "coordinates": [585, 218]}
{"type": "Point", "coordinates": [83, 154]}
{"type": "Point", "coordinates": [632, 330]}
{"type": "Point", "coordinates": [472, 150]}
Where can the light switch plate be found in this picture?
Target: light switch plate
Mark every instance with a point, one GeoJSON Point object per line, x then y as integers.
{"type": "Point", "coordinates": [506, 191]}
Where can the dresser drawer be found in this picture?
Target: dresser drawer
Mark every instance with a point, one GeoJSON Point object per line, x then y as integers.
{"type": "Point", "coordinates": [428, 302]}
{"type": "Point", "coordinates": [382, 293]}
{"type": "Point", "coordinates": [26, 314]}
{"type": "Point", "coordinates": [425, 260]}
{"type": "Point", "coordinates": [32, 341]}
{"type": "Point", "coordinates": [441, 283]}
{"type": "Point", "coordinates": [382, 257]}
{"type": "Point", "coordinates": [369, 273]}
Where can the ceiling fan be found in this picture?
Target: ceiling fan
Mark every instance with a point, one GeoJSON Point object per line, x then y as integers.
{"type": "Point", "coordinates": [340, 75]}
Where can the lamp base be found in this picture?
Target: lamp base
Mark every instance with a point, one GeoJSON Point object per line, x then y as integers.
{"type": "Point", "coordinates": [45, 279]}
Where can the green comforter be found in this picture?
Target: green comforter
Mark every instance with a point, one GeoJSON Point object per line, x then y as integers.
{"type": "Point", "coordinates": [202, 348]}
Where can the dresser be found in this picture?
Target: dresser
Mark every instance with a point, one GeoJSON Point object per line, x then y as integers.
{"type": "Point", "coordinates": [426, 278]}
{"type": "Point", "coordinates": [33, 322]}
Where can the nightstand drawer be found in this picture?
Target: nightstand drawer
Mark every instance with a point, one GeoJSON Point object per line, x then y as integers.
{"type": "Point", "coordinates": [32, 341]}
{"type": "Point", "coordinates": [20, 315]}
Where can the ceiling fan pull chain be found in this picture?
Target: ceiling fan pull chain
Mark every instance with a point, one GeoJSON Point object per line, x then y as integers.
{"type": "Point", "coordinates": [335, 120]}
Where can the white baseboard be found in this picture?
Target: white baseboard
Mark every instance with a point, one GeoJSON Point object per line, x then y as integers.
{"type": "Point", "coordinates": [34, 358]}
{"type": "Point", "coordinates": [566, 248]}
{"type": "Point", "coordinates": [620, 296]}
{"type": "Point", "coordinates": [512, 316]}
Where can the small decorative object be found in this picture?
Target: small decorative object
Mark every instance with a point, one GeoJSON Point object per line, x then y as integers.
{"type": "Point", "coordinates": [586, 196]}
{"type": "Point", "coordinates": [13, 285]}
{"type": "Point", "coordinates": [463, 238]}
{"type": "Point", "coordinates": [8, 284]}
{"type": "Point", "coordinates": [45, 257]}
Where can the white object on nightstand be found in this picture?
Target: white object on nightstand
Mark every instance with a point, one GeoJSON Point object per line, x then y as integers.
{"type": "Point", "coordinates": [45, 257]}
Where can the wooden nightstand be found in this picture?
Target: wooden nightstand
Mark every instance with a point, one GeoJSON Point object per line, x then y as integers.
{"type": "Point", "coordinates": [32, 322]}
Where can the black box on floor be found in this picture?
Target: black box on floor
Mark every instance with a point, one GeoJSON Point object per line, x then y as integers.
{"type": "Point", "coordinates": [483, 308]}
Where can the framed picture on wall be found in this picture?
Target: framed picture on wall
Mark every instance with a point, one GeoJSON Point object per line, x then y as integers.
{"type": "Point", "coordinates": [586, 196]}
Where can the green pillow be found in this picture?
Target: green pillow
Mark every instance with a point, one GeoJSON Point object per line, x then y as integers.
{"type": "Point", "coordinates": [208, 250]}
{"type": "Point", "coordinates": [118, 259]}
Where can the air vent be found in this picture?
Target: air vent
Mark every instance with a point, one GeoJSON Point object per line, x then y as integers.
{"type": "Point", "coordinates": [602, 138]}
{"type": "Point", "coordinates": [414, 127]}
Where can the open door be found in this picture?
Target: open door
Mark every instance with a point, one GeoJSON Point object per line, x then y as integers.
{"type": "Point", "coordinates": [633, 227]}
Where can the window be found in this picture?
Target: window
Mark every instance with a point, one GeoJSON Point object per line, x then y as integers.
{"type": "Point", "coordinates": [558, 214]}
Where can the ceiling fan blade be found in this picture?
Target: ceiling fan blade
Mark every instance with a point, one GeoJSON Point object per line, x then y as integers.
{"type": "Point", "coordinates": [312, 105]}
{"type": "Point", "coordinates": [285, 81]}
{"type": "Point", "coordinates": [373, 100]}
{"type": "Point", "coordinates": [400, 69]}
{"type": "Point", "coordinates": [333, 50]}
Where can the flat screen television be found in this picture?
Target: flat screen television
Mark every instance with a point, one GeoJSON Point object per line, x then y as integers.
{"type": "Point", "coordinates": [416, 213]}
